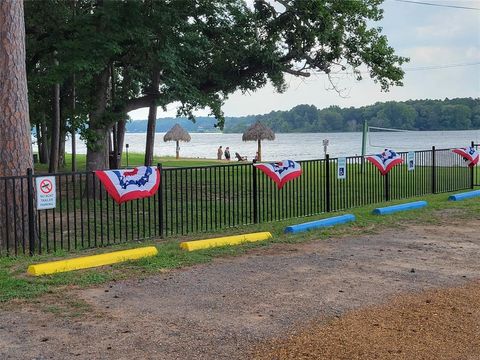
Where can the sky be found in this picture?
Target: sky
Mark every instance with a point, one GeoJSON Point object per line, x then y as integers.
{"type": "Point", "coordinates": [431, 36]}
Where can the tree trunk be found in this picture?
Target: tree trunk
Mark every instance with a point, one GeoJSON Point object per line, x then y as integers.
{"type": "Point", "coordinates": [39, 140]}
{"type": "Point", "coordinates": [114, 161]}
{"type": "Point", "coordinates": [55, 137]}
{"type": "Point", "coordinates": [177, 150]}
{"type": "Point", "coordinates": [73, 125]}
{"type": "Point", "coordinates": [45, 154]}
{"type": "Point", "coordinates": [152, 120]}
{"type": "Point", "coordinates": [61, 146]}
{"type": "Point", "coordinates": [97, 147]}
{"type": "Point", "coordinates": [74, 151]}
{"type": "Point", "coordinates": [63, 126]}
{"type": "Point", "coordinates": [97, 152]}
{"type": "Point", "coordinates": [97, 144]}
{"type": "Point", "coordinates": [120, 140]}
{"type": "Point", "coordinates": [15, 139]}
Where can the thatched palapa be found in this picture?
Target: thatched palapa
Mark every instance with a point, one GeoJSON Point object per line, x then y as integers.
{"type": "Point", "coordinates": [258, 132]}
{"type": "Point", "coordinates": [177, 133]}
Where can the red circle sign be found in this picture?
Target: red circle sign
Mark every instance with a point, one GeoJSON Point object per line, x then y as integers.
{"type": "Point", "coordinates": [46, 186]}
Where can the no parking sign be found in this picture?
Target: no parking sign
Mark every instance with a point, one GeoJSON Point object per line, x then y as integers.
{"type": "Point", "coordinates": [46, 192]}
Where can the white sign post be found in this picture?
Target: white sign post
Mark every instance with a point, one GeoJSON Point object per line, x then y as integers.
{"type": "Point", "coordinates": [326, 142]}
{"type": "Point", "coordinates": [342, 168]}
{"type": "Point", "coordinates": [46, 192]}
{"type": "Point", "coordinates": [411, 160]}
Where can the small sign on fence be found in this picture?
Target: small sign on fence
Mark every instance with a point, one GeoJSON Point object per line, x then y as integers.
{"type": "Point", "coordinates": [46, 192]}
{"type": "Point", "coordinates": [342, 168]}
{"type": "Point", "coordinates": [411, 160]}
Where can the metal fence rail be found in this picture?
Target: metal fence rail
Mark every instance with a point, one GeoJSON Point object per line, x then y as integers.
{"type": "Point", "coordinates": [14, 224]}
{"type": "Point", "coordinates": [200, 199]}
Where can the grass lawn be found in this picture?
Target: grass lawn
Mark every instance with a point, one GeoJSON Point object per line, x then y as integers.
{"type": "Point", "coordinates": [15, 284]}
{"type": "Point", "coordinates": [134, 159]}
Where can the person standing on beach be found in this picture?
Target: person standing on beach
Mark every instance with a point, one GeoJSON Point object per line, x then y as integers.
{"type": "Point", "coordinates": [219, 153]}
{"type": "Point", "coordinates": [227, 153]}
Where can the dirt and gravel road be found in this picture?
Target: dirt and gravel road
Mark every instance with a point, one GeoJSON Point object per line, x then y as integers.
{"type": "Point", "coordinates": [233, 307]}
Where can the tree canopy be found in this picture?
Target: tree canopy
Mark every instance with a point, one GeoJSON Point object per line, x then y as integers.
{"type": "Point", "coordinates": [111, 57]}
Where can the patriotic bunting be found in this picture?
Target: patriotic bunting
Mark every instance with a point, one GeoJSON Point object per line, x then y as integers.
{"type": "Point", "coordinates": [125, 185]}
{"type": "Point", "coordinates": [385, 161]}
{"type": "Point", "coordinates": [281, 172]}
{"type": "Point", "coordinates": [469, 154]}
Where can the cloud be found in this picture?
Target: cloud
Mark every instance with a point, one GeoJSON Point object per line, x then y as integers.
{"type": "Point", "coordinates": [448, 27]}
{"type": "Point", "coordinates": [441, 55]}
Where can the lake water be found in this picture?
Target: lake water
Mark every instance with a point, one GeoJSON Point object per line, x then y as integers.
{"type": "Point", "coordinates": [302, 146]}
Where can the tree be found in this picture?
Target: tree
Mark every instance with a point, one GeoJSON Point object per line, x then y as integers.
{"type": "Point", "coordinates": [15, 141]}
{"type": "Point", "coordinates": [55, 138]}
{"type": "Point", "coordinates": [203, 51]}
{"type": "Point", "coordinates": [152, 120]}
{"type": "Point", "coordinates": [476, 117]}
{"type": "Point", "coordinates": [455, 116]}
{"type": "Point", "coordinates": [332, 118]}
{"type": "Point", "coordinates": [48, 81]}
{"type": "Point", "coordinates": [218, 47]}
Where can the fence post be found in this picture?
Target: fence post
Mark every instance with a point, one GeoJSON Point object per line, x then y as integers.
{"type": "Point", "coordinates": [327, 183]}
{"type": "Point", "coordinates": [387, 187]}
{"type": "Point", "coordinates": [434, 172]}
{"type": "Point", "coordinates": [160, 202]}
{"type": "Point", "coordinates": [254, 194]}
{"type": "Point", "coordinates": [472, 172]}
{"type": "Point", "coordinates": [31, 215]}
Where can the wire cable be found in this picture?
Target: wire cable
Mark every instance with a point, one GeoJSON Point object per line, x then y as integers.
{"type": "Point", "coordinates": [418, 68]}
{"type": "Point", "coordinates": [439, 5]}
{"type": "Point", "coordinates": [435, 67]}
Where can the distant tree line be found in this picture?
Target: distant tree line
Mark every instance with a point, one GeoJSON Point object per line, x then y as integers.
{"type": "Point", "coordinates": [448, 114]}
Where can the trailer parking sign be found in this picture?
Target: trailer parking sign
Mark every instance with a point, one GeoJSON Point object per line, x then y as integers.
{"type": "Point", "coordinates": [46, 192]}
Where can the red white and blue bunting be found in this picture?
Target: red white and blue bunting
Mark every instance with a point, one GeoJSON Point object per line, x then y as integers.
{"type": "Point", "coordinates": [125, 185]}
{"type": "Point", "coordinates": [281, 172]}
{"type": "Point", "coordinates": [469, 154]}
{"type": "Point", "coordinates": [385, 161]}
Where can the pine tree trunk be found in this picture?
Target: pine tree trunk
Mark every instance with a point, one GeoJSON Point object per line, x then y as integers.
{"type": "Point", "coordinates": [15, 139]}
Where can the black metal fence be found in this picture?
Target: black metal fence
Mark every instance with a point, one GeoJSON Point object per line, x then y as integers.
{"type": "Point", "coordinates": [209, 198]}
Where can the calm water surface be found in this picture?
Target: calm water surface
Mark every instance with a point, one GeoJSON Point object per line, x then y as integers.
{"type": "Point", "coordinates": [302, 146]}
